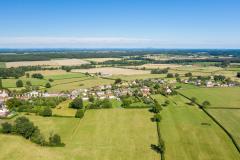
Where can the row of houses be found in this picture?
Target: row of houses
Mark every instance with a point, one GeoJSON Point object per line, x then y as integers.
{"type": "Point", "coordinates": [209, 83]}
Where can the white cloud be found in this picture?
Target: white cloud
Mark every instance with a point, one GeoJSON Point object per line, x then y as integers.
{"type": "Point", "coordinates": [111, 42]}
{"type": "Point", "coordinates": [74, 42]}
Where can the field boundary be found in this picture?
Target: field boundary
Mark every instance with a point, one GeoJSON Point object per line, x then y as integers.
{"type": "Point", "coordinates": [218, 123]}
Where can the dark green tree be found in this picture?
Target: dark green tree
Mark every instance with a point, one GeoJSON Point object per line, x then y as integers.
{"type": "Point", "coordinates": [19, 83]}
{"type": "Point", "coordinates": [77, 103]}
{"type": "Point", "coordinates": [6, 127]}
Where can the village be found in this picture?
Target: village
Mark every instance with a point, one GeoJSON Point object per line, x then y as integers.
{"type": "Point", "coordinates": [142, 88]}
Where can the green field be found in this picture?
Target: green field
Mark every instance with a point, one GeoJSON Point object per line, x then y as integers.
{"type": "Point", "coordinates": [102, 134]}
{"type": "Point", "coordinates": [230, 119]}
{"type": "Point", "coordinates": [218, 97]}
{"type": "Point", "coordinates": [63, 81]}
{"type": "Point", "coordinates": [187, 137]}
{"type": "Point", "coordinates": [2, 65]}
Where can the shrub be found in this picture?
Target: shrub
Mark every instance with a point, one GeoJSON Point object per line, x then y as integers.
{"type": "Point", "coordinates": [189, 74]}
{"type": "Point", "coordinates": [24, 127]}
{"type": "Point", "coordinates": [38, 138]}
{"type": "Point", "coordinates": [170, 75]}
{"type": "Point", "coordinates": [238, 74]}
{"type": "Point", "coordinates": [79, 113]}
{"type": "Point", "coordinates": [19, 83]}
{"type": "Point", "coordinates": [206, 103]}
{"type": "Point", "coordinates": [55, 140]}
{"type": "Point", "coordinates": [50, 80]}
{"type": "Point", "coordinates": [46, 112]}
{"type": "Point", "coordinates": [118, 80]}
{"type": "Point", "coordinates": [37, 75]}
{"type": "Point", "coordinates": [6, 127]}
{"type": "Point", "coordinates": [48, 85]}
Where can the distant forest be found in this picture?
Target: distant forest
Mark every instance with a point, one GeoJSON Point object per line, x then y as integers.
{"type": "Point", "coordinates": [10, 55]}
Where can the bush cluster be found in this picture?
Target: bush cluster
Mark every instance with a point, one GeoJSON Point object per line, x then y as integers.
{"type": "Point", "coordinates": [24, 127]}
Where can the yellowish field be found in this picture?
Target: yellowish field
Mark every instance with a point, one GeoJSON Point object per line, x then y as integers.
{"type": "Point", "coordinates": [49, 72]}
{"type": "Point", "coordinates": [54, 62]}
{"type": "Point", "coordinates": [112, 71]}
{"type": "Point", "coordinates": [155, 66]}
{"type": "Point", "coordinates": [102, 59]}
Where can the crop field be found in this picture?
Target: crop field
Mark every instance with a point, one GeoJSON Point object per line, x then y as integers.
{"type": "Point", "coordinates": [218, 97]}
{"type": "Point", "coordinates": [138, 76]}
{"type": "Point", "coordinates": [190, 134]}
{"type": "Point", "coordinates": [112, 71]}
{"type": "Point", "coordinates": [106, 134]}
{"type": "Point", "coordinates": [63, 81]}
{"type": "Point", "coordinates": [102, 59]}
{"type": "Point", "coordinates": [53, 62]}
{"type": "Point", "coordinates": [229, 118]}
{"type": "Point", "coordinates": [71, 84]}
{"type": "Point", "coordinates": [58, 77]}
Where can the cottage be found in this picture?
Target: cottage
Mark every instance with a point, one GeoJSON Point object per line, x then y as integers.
{"type": "Point", "coordinates": [3, 110]}
{"type": "Point", "coordinates": [209, 84]}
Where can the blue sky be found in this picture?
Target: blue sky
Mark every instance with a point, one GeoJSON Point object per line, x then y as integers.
{"type": "Point", "coordinates": [120, 23]}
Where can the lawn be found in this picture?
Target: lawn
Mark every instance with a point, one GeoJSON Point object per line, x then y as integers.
{"type": "Point", "coordinates": [107, 134]}
{"type": "Point", "coordinates": [229, 118]}
{"type": "Point", "coordinates": [218, 97]}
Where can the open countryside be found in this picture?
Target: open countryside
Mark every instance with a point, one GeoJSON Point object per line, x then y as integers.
{"type": "Point", "coordinates": [119, 80]}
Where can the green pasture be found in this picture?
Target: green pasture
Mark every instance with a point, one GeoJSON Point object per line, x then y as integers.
{"type": "Point", "coordinates": [218, 97]}
{"type": "Point", "coordinates": [230, 119]}
{"type": "Point", "coordinates": [102, 134]}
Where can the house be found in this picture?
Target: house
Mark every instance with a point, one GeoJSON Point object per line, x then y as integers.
{"type": "Point", "coordinates": [3, 95]}
{"type": "Point", "coordinates": [3, 110]}
{"type": "Point", "coordinates": [145, 90]}
{"type": "Point", "coordinates": [85, 98]}
{"type": "Point", "coordinates": [33, 94]}
{"type": "Point", "coordinates": [209, 84]}
{"type": "Point", "coordinates": [168, 90]}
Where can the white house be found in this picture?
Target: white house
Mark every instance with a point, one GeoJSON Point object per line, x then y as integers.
{"type": "Point", "coordinates": [3, 110]}
{"type": "Point", "coordinates": [209, 84]}
{"type": "Point", "coordinates": [3, 95]}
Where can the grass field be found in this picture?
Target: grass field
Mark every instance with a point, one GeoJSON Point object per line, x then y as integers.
{"type": "Point", "coordinates": [218, 97]}
{"type": "Point", "coordinates": [102, 134]}
{"type": "Point", "coordinates": [229, 118]}
{"type": "Point", "coordinates": [2, 65]}
{"type": "Point", "coordinates": [186, 137]}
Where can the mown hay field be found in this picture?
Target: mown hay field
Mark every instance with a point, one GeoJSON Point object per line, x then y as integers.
{"type": "Point", "coordinates": [112, 71]}
{"type": "Point", "coordinates": [108, 133]}
{"type": "Point", "coordinates": [53, 62]}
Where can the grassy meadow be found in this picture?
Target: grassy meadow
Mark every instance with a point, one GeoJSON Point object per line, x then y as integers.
{"type": "Point", "coordinates": [102, 134]}
{"type": "Point", "coordinates": [218, 97]}
{"type": "Point", "coordinates": [190, 134]}
{"type": "Point", "coordinates": [2, 65]}
{"type": "Point", "coordinates": [229, 118]}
